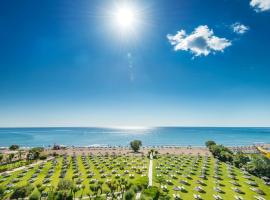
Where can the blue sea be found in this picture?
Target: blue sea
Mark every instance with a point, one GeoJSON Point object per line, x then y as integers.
{"type": "Point", "coordinates": [180, 136]}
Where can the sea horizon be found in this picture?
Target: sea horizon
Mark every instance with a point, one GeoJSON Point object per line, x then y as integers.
{"type": "Point", "coordinates": [150, 136]}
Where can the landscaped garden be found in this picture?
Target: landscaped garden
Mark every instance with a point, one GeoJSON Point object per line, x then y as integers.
{"type": "Point", "coordinates": [87, 176]}
{"type": "Point", "coordinates": [222, 175]}
{"type": "Point", "coordinates": [203, 177]}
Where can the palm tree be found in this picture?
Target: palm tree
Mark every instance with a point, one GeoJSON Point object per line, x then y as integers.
{"type": "Point", "coordinates": [51, 191]}
{"type": "Point", "coordinates": [107, 192]}
{"type": "Point", "coordinates": [20, 152]}
{"type": "Point", "coordinates": [123, 185]}
{"type": "Point", "coordinates": [1, 157]}
{"type": "Point", "coordinates": [83, 187]}
{"type": "Point", "coordinates": [10, 157]}
{"type": "Point", "coordinates": [100, 183]}
{"type": "Point", "coordinates": [89, 195]}
{"type": "Point", "coordinates": [74, 189]}
{"type": "Point", "coordinates": [112, 186]}
{"type": "Point", "coordinates": [94, 189]}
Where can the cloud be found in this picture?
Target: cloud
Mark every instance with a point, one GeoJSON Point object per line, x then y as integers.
{"type": "Point", "coordinates": [260, 5]}
{"type": "Point", "coordinates": [239, 28]}
{"type": "Point", "coordinates": [201, 41]}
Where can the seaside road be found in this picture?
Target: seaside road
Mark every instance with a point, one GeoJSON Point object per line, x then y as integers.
{"type": "Point", "coordinates": [150, 171]}
{"type": "Point", "coordinates": [24, 167]}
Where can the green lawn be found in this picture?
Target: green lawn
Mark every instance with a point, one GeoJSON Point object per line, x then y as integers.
{"type": "Point", "coordinates": [170, 170]}
{"type": "Point", "coordinates": [77, 169]}
{"type": "Point", "coordinates": [13, 165]}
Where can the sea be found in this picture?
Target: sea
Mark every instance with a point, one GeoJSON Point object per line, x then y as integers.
{"type": "Point", "coordinates": [154, 136]}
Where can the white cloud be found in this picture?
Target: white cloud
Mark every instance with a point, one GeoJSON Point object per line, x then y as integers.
{"type": "Point", "coordinates": [239, 28]}
{"type": "Point", "coordinates": [260, 5]}
{"type": "Point", "coordinates": [201, 41]}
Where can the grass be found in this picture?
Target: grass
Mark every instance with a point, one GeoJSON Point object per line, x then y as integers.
{"type": "Point", "coordinates": [183, 167]}
{"type": "Point", "coordinates": [191, 166]}
{"type": "Point", "coordinates": [95, 163]}
{"type": "Point", "coordinates": [13, 165]}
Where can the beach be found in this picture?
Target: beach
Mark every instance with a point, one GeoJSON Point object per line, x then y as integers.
{"type": "Point", "coordinates": [128, 151]}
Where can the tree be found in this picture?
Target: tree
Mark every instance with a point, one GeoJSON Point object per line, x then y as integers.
{"type": "Point", "coordinates": [222, 153]}
{"type": "Point", "coordinates": [75, 189]}
{"type": "Point", "coordinates": [20, 154]}
{"type": "Point", "coordinates": [259, 165]}
{"type": "Point", "coordinates": [135, 145]}
{"type": "Point", "coordinates": [112, 186]}
{"type": "Point", "coordinates": [14, 147]}
{"type": "Point", "coordinates": [1, 157]}
{"type": "Point", "coordinates": [10, 157]}
{"type": "Point", "coordinates": [94, 188]}
{"type": "Point", "coordinates": [123, 185]}
{"type": "Point", "coordinates": [100, 183]}
{"type": "Point", "coordinates": [209, 143]}
{"type": "Point", "coordinates": [240, 159]}
{"type": "Point", "coordinates": [34, 153]}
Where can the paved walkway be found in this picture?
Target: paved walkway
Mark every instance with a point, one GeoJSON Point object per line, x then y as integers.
{"type": "Point", "coordinates": [138, 195]}
{"type": "Point", "coordinates": [150, 171]}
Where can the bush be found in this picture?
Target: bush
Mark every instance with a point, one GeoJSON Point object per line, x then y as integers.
{"type": "Point", "coordinates": [35, 195]}
{"type": "Point", "coordinates": [152, 192]}
{"type": "Point", "coordinates": [63, 195]}
{"type": "Point", "coordinates": [134, 188]}
{"type": "Point", "coordinates": [259, 165]}
{"type": "Point", "coordinates": [240, 159]}
{"type": "Point", "coordinates": [43, 157]}
{"type": "Point", "coordinates": [221, 152]}
{"type": "Point", "coordinates": [2, 190]}
{"type": "Point", "coordinates": [129, 195]}
{"type": "Point", "coordinates": [141, 183]}
{"type": "Point", "coordinates": [21, 192]}
{"type": "Point", "coordinates": [64, 184]}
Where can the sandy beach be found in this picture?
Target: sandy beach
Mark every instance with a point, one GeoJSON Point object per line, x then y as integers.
{"type": "Point", "coordinates": [128, 151]}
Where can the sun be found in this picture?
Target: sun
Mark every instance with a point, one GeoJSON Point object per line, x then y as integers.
{"type": "Point", "coordinates": [125, 17]}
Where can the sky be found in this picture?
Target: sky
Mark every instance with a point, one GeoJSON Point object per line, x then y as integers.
{"type": "Point", "coordinates": [134, 63]}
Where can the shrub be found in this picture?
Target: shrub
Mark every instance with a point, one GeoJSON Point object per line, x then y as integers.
{"type": "Point", "coordinates": [64, 184]}
{"type": "Point", "coordinates": [240, 159]}
{"type": "Point", "coordinates": [2, 190]}
{"type": "Point", "coordinates": [134, 188]}
{"type": "Point", "coordinates": [129, 195]}
{"type": "Point", "coordinates": [141, 183]}
{"type": "Point", "coordinates": [21, 192]}
{"type": "Point", "coordinates": [43, 157]}
{"type": "Point", "coordinates": [35, 195]}
{"type": "Point", "coordinates": [259, 165]}
{"type": "Point", "coordinates": [152, 192]}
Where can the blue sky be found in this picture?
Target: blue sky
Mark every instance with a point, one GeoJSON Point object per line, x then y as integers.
{"type": "Point", "coordinates": [67, 63]}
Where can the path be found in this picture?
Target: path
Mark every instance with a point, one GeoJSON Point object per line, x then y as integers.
{"type": "Point", "coordinates": [138, 195]}
{"type": "Point", "coordinates": [24, 167]}
{"type": "Point", "coordinates": [150, 171]}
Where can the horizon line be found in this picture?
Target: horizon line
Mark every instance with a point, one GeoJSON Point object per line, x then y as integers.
{"type": "Point", "coordinates": [135, 127]}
